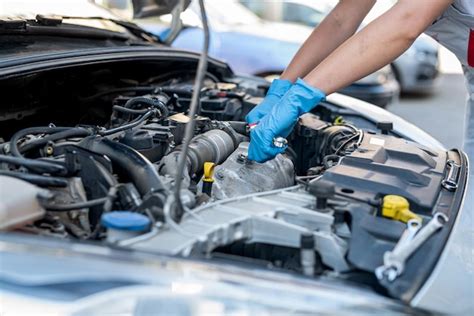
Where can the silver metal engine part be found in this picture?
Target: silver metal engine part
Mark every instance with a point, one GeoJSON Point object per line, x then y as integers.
{"type": "Point", "coordinates": [237, 176]}
{"type": "Point", "coordinates": [277, 218]}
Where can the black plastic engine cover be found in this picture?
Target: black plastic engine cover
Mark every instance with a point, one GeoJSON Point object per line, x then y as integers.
{"type": "Point", "coordinates": [388, 165]}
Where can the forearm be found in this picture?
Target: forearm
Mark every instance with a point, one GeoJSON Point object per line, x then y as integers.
{"type": "Point", "coordinates": [334, 30]}
{"type": "Point", "coordinates": [377, 45]}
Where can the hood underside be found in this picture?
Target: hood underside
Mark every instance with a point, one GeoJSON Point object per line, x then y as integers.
{"type": "Point", "coordinates": [147, 8]}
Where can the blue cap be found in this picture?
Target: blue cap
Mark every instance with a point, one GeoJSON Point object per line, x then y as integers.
{"type": "Point", "coordinates": [123, 220]}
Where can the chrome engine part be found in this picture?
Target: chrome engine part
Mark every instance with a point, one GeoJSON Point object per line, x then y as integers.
{"type": "Point", "coordinates": [238, 176]}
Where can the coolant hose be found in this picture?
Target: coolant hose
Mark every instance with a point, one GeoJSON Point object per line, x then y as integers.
{"type": "Point", "coordinates": [128, 162]}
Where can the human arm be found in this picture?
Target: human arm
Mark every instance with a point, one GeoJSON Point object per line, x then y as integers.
{"type": "Point", "coordinates": [375, 46]}
{"type": "Point", "coordinates": [378, 44]}
{"type": "Point", "coordinates": [340, 24]}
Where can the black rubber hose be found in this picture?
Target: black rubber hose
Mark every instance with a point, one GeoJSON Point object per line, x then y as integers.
{"type": "Point", "coordinates": [122, 109]}
{"type": "Point", "coordinates": [33, 164]}
{"type": "Point", "coordinates": [32, 130]}
{"type": "Point", "coordinates": [150, 102]}
{"type": "Point", "coordinates": [75, 206]}
{"type": "Point", "coordinates": [129, 162]}
{"type": "Point", "coordinates": [41, 181]}
{"type": "Point", "coordinates": [130, 125]}
{"type": "Point", "coordinates": [70, 133]}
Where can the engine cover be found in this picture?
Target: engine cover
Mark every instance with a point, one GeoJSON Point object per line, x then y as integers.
{"type": "Point", "coordinates": [384, 165]}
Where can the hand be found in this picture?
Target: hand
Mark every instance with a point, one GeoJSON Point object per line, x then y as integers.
{"type": "Point", "coordinates": [277, 90]}
{"type": "Point", "coordinates": [299, 99]}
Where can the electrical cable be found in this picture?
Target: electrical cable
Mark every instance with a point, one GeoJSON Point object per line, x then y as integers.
{"type": "Point", "coordinates": [122, 109]}
{"type": "Point", "coordinates": [130, 125]}
{"type": "Point", "coordinates": [106, 201]}
{"type": "Point", "coordinates": [75, 206]}
{"type": "Point", "coordinates": [31, 130]}
{"type": "Point", "coordinates": [189, 131]}
{"type": "Point", "coordinates": [72, 132]}
{"type": "Point", "coordinates": [151, 102]}
{"type": "Point", "coordinates": [42, 181]}
{"type": "Point", "coordinates": [33, 165]}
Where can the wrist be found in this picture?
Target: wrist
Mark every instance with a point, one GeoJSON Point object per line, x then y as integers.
{"type": "Point", "coordinates": [279, 87]}
{"type": "Point", "coordinates": [309, 96]}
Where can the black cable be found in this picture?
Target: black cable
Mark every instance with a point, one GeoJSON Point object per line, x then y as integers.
{"type": "Point", "coordinates": [346, 143]}
{"type": "Point", "coordinates": [31, 130]}
{"type": "Point", "coordinates": [70, 133]}
{"type": "Point", "coordinates": [42, 181]}
{"type": "Point", "coordinates": [75, 206]}
{"type": "Point", "coordinates": [122, 109]}
{"type": "Point", "coordinates": [130, 125]}
{"type": "Point", "coordinates": [33, 164]}
{"type": "Point", "coordinates": [328, 158]}
{"type": "Point", "coordinates": [151, 102]}
{"type": "Point", "coordinates": [200, 74]}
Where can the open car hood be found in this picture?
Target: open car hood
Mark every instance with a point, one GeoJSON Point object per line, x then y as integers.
{"type": "Point", "coordinates": [147, 8]}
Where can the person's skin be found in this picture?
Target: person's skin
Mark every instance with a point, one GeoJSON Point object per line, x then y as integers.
{"type": "Point", "coordinates": [378, 44]}
{"type": "Point", "coordinates": [340, 24]}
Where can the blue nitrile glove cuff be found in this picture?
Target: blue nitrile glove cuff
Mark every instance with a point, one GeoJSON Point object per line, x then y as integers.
{"type": "Point", "coordinates": [279, 87]}
{"type": "Point", "coordinates": [277, 90]}
{"type": "Point", "coordinates": [304, 96]}
{"type": "Point", "coordinates": [299, 99]}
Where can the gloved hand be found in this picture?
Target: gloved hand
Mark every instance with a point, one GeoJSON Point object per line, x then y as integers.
{"type": "Point", "coordinates": [299, 99]}
{"type": "Point", "coordinates": [277, 90]}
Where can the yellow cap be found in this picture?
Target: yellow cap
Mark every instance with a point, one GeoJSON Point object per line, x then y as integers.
{"type": "Point", "coordinates": [398, 208]}
{"type": "Point", "coordinates": [339, 120]}
{"type": "Point", "coordinates": [209, 172]}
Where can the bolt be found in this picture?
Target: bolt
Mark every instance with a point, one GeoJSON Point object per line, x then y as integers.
{"type": "Point", "coordinates": [242, 158]}
{"type": "Point", "coordinates": [280, 142]}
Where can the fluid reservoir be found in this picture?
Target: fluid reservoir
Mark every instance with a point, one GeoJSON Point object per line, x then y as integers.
{"type": "Point", "coordinates": [124, 225]}
{"type": "Point", "coordinates": [19, 203]}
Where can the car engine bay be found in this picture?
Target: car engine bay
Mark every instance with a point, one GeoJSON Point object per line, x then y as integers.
{"type": "Point", "coordinates": [332, 205]}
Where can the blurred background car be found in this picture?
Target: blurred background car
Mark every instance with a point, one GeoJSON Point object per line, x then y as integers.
{"type": "Point", "coordinates": [416, 70]}
{"type": "Point", "coordinates": [254, 46]}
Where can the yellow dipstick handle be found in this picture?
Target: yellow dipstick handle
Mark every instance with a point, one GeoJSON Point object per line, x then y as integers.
{"type": "Point", "coordinates": [398, 208]}
{"type": "Point", "coordinates": [209, 172]}
{"type": "Point", "coordinates": [208, 178]}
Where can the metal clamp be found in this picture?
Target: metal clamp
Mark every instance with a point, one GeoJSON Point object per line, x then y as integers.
{"type": "Point", "coordinates": [450, 181]}
{"type": "Point", "coordinates": [280, 142]}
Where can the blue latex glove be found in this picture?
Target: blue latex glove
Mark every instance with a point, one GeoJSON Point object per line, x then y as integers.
{"type": "Point", "coordinates": [301, 98]}
{"type": "Point", "coordinates": [277, 90]}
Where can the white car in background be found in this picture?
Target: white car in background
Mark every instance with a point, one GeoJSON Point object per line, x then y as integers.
{"type": "Point", "coordinates": [416, 70]}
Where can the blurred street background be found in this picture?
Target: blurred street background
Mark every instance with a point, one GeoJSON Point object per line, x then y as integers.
{"type": "Point", "coordinates": [259, 37]}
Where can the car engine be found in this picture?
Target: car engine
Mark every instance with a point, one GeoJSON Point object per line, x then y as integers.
{"type": "Point", "coordinates": [332, 205]}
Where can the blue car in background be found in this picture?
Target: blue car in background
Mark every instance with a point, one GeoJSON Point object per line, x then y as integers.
{"type": "Point", "coordinates": [254, 46]}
